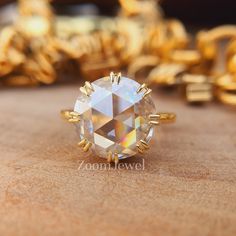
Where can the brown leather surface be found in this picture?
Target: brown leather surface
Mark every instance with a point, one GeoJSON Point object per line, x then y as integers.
{"type": "Point", "coordinates": [188, 186]}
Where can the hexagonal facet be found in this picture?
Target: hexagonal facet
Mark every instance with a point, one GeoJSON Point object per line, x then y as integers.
{"type": "Point", "coordinates": [114, 117]}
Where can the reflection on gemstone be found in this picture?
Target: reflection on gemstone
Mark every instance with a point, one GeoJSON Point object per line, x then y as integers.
{"type": "Point", "coordinates": [115, 117]}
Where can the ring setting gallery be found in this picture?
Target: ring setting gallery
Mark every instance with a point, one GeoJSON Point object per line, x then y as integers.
{"type": "Point", "coordinates": [115, 117]}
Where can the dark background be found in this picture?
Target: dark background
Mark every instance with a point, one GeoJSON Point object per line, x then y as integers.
{"type": "Point", "coordinates": [192, 11]}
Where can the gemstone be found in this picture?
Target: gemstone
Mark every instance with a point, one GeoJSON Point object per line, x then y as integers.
{"type": "Point", "coordinates": [114, 118]}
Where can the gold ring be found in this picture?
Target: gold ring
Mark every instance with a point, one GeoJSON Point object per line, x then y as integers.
{"type": "Point", "coordinates": [115, 117]}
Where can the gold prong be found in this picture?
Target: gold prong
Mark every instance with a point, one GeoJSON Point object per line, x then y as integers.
{"type": "Point", "coordinates": [153, 122]}
{"type": "Point", "coordinates": [113, 157]}
{"type": "Point", "coordinates": [87, 89]}
{"type": "Point", "coordinates": [71, 116]}
{"type": "Point", "coordinates": [87, 146]}
{"type": "Point", "coordinates": [82, 143]}
{"type": "Point", "coordinates": [141, 88]}
{"type": "Point", "coordinates": [116, 158]}
{"type": "Point", "coordinates": [109, 156]}
{"type": "Point", "coordinates": [74, 117]}
{"type": "Point", "coordinates": [115, 77]}
{"type": "Point", "coordinates": [156, 119]}
{"type": "Point", "coordinates": [145, 144]}
{"type": "Point", "coordinates": [154, 116]}
{"type": "Point", "coordinates": [74, 113]}
{"type": "Point", "coordinates": [112, 76]}
{"type": "Point", "coordinates": [84, 91]}
{"type": "Point", "coordinates": [142, 146]}
{"type": "Point", "coordinates": [74, 120]}
{"type": "Point", "coordinates": [147, 93]}
{"type": "Point", "coordinates": [118, 77]}
{"type": "Point", "coordinates": [140, 150]}
{"type": "Point", "coordinates": [88, 85]}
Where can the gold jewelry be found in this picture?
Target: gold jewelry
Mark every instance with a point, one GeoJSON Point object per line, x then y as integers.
{"type": "Point", "coordinates": [41, 46]}
{"type": "Point", "coordinates": [115, 116]}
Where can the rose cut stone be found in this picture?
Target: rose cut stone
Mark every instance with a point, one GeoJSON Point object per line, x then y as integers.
{"type": "Point", "coordinates": [115, 117]}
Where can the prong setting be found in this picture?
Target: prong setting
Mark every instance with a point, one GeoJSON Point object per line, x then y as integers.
{"type": "Point", "coordinates": [154, 119]}
{"type": "Point", "coordinates": [142, 146]}
{"type": "Point", "coordinates": [111, 138]}
{"type": "Point", "coordinates": [82, 143]}
{"type": "Point", "coordinates": [113, 157]}
{"type": "Point", "coordinates": [71, 116]}
{"type": "Point", "coordinates": [143, 88]}
{"type": "Point", "coordinates": [115, 77]}
{"type": "Point", "coordinates": [87, 89]}
{"type": "Point", "coordinates": [116, 158]}
{"type": "Point", "coordinates": [85, 144]}
{"type": "Point", "coordinates": [153, 122]}
{"type": "Point", "coordinates": [109, 156]}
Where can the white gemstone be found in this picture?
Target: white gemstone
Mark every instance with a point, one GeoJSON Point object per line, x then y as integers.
{"type": "Point", "coordinates": [115, 117]}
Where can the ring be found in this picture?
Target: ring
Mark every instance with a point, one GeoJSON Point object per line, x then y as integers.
{"type": "Point", "coordinates": [115, 117]}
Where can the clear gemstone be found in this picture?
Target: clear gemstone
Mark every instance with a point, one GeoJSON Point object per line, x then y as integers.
{"type": "Point", "coordinates": [115, 117]}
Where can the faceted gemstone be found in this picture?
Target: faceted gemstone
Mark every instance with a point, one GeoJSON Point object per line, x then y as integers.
{"type": "Point", "coordinates": [115, 117]}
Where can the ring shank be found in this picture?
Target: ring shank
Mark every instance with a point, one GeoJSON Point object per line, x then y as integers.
{"type": "Point", "coordinates": [167, 117]}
